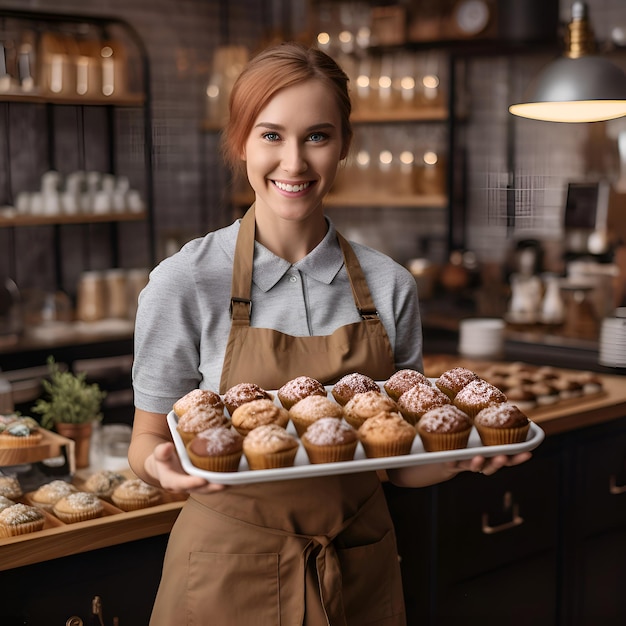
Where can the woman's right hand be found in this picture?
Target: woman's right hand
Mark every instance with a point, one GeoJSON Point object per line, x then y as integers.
{"type": "Point", "coordinates": [165, 467]}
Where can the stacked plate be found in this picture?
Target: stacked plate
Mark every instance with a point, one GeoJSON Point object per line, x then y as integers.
{"type": "Point", "coordinates": [612, 348]}
{"type": "Point", "coordinates": [482, 338]}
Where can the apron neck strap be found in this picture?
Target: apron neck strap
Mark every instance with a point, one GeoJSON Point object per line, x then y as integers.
{"type": "Point", "coordinates": [241, 289]}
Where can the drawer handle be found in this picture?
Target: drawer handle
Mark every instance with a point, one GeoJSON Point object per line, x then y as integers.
{"type": "Point", "coordinates": [614, 488]}
{"type": "Point", "coordinates": [516, 520]}
{"type": "Point", "coordinates": [507, 505]}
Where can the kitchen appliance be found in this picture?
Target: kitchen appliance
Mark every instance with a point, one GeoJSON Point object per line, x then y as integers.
{"type": "Point", "coordinates": [586, 218]}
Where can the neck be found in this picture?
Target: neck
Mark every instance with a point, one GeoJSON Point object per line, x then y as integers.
{"type": "Point", "coordinates": [288, 239]}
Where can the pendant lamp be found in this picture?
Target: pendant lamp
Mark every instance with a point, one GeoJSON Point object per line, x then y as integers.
{"type": "Point", "coordinates": [578, 87]}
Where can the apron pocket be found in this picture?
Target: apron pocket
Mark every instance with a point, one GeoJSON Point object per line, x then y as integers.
{"type": "Point", "coordinates": [239, 589]}
{"type": "Point", "coordinates": [371, 581]}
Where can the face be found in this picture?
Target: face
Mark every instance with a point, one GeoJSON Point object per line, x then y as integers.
{"type": "Point", "coordinates": [293, 151]}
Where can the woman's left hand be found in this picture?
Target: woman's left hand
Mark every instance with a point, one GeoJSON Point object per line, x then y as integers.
{"type": "Point", "coordinates": [489, 465]}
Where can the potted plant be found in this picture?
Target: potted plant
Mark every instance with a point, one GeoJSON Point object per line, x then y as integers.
{"type": "Point", "coordinates": [70, 406]}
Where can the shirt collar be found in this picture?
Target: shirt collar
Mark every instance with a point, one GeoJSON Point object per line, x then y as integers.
{"type": "Point", "coordinates": [321, 264]}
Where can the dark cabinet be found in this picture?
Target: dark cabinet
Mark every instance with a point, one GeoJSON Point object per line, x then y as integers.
{"type": "Point", "coordinates": [541, 543]}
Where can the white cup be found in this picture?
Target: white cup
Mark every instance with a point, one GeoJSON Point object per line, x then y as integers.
{"type": "Point", "coordinates": [481, 338]}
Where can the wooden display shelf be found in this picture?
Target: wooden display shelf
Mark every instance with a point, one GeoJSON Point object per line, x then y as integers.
{"type": "Point", "coordinates": [78, 218]}
{"type": "Point", "coordinates": [58, 540]}
{"type": "Point", "coordinates": [51, 445]}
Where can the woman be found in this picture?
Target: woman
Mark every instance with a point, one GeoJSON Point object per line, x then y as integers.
{"type": "Point", "coordinates": [309, 551]}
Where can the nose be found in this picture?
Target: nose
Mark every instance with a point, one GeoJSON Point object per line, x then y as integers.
{"type": "Point", "coordinates": [293, 160]}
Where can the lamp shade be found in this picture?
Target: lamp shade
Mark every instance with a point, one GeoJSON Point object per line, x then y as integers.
{"type": "Point", "coordinates": [586, 89]}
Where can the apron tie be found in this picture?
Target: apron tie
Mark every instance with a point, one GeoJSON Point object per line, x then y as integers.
{"type": "Point", "coordinates": [328, 576]}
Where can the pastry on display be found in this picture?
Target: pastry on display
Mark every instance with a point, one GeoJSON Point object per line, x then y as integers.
{"type": "Point", "coordinates": [21, 519]}
{"type": "Point", "coordinates": [590, 381]}
{"type": "Point", "coordinates": [419, 399]}
{"type": "Point", "coordinates": [402, 381]}
{"type": "Point", "coordinates": [351, 384]}
{"type": "Point", "coordinates": [522, 397]}
{"type": "Point", "coordinates": [198, 398]}
{"type": "Point", "coordinates": [298, 388]}
{"type": "Point", "coordinates": [79, 506]}
{"type": "Point", "coordinates": [103, 483]}
{"type": "Point", "coordinates": [502, 423]}
{"type": "Point", "coordinates": [5, 503]}
{"type": "Point", "coordinates": [453, 380]}
{"type": "Point", "coordinates": [255, 413]}
{"type": "Point", "coordinates": [10, 487]}
{"type": "Point", "coordinates": [197, 419]}
{"type": "Point", "coordinates": [242, 393]}
{"type": "Point", "coordinates": [21, 433]}
{"type": "Point", "coordinates": [444, 428]}
{"type": "Point", "coordinates": [270, 447]}
{"type": "Point", "coordinates": [49, 494]}
{"type": "Point", "coordinates": [134, 494]}
{"type": "Point", "coordinates": [217, 449]}
{"type": "Point", "coordinates": [568, 387]}
{"type": "Point", "coordinates": [545, 393]}
{"type": "Point", "coordinates": [365, 405]}
{"type": "Point", "coordinates": [330, 440]}
{"type": "Point", "coordinates": [477, 395]}
{"type": "Point", "coordinates": [386, 434]}
{"type": "Point", "coordinates": [310, 409]}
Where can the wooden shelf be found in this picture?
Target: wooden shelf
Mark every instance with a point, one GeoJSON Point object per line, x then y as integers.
{"type": "Point", "coordinates": [399, 115]}
{"type": "Point", "coordinates": [129, 100]}
{"type": "Point", "coordinates": [50, 446]}
{"type": "Point", "coordinates": [79, 218]}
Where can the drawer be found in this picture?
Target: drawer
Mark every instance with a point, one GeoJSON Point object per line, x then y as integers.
{"type": "Point", "coordinates": [485, 522]}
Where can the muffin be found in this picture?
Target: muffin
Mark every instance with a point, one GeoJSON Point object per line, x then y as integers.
{"type": "Point", "coordinates": [20, 433]}
{"type": "Point", "coordinates": [10, 487]}
{"type": "Point", "coordinates": [242, 393]}
{"type": "Point", "coordinates": [352, 384]}
{"type": "Point", "coordinates": [198, 398]}
{"type": "Point", "coordinates": [196, 419]}
{"type": "Point", "coordinates": [20, 519]}
{"type": "Point", "coordinates": [330, 440]}
{"type": "Point", "coordinates": [308, 410]}
{"type": "Point", "coordinates": [255, 413]}
{"type": "Point", "coordinates": [269, 447]}
{"type": "Point", "coordinates": [386, 434]}
{"type": "Point", "coordinates": [103, 483]}
{"type": "Point", "coordinates": [299, 388]}
{"type": "Point", "coordinates": [477, 395]}
{"type": "Point", "coordinates": [365, 405]}
{"type": "Point", "coordinates": [78, 507]}
{"type": "Point", "coordinates": [402, 381]}
{"type": "Point", "coordinates": [217, 449]}
{"type": "Point", "coordinates": [49, 494]}
{"type": "Point", "coordinates": [453, 380]}
{"type": "Point", "coordinates": [134, 494]}
{"type": "Point", "coordinates": [444, 428]}
{"type": "Point", "coordinates": [419, 399]}
{"type": "Point", "coordinates": [501, 423]}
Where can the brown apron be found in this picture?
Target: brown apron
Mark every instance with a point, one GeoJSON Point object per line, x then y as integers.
{"type": "Point", "coordinates": [313, 551]}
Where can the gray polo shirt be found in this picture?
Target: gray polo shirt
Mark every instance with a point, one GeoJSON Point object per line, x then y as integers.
{"type": "Point", "coordinates": [183, 320]}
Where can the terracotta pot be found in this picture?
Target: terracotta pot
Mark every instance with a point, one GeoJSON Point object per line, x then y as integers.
{"type": "Point", "coordinates": [81, 435]}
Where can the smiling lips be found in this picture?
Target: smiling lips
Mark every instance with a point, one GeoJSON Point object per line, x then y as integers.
{"type": "Point", "coordinates": [291, 188]}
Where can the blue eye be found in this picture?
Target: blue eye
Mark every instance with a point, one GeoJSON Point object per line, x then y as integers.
{"type": "Point", "coordinates": [271, 136]}
{"type": "Point", "coordinates": [317, 137]}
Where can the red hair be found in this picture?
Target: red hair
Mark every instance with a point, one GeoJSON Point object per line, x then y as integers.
{"type": "Point", "coordinates": [277, 68]}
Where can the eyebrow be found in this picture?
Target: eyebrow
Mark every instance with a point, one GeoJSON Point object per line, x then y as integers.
{"type": "Point", "coordinates": [271, 126]}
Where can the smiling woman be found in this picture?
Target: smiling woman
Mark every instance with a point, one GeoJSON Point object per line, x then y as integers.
{"type": "Point", "coordinates": [277, 294]}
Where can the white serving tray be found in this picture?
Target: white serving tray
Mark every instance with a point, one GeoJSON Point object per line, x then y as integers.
{"type": "Point", "coordinates": [302, 468]}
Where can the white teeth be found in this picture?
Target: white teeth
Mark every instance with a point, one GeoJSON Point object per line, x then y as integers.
{"type": "Point", "coordinates": [291, 188]}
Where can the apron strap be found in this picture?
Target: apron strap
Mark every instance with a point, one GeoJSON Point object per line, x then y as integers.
{"type": "Point", "coordinates": [240, 299]}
